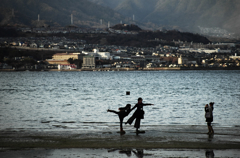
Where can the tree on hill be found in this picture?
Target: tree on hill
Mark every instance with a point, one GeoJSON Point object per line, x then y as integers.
{"type": "Point", "coordinates": [77, 62]}
{"type": "Point", "coordinates": [127, 27]}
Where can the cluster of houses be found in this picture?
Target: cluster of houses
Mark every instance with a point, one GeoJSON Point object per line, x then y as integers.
{"type": "Point", "coordinates": [166, 56]}
{"type": "Point", "coordinates": [43, 43]}
{"type": "Point", "coordinates": [93, 56]}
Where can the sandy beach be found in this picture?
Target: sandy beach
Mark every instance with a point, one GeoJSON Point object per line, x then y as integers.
{"type": "Point", "coordinates": [157, 141]}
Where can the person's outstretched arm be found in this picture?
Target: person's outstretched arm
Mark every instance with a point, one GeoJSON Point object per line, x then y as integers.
{"type": "Point", "coordinates": [147, 104]}
{"type": "Point", "coordinates": [133, 108]}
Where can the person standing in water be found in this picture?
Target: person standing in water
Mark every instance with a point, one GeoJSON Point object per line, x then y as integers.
{"type": "Point", "coordinates": [138, 114]}
{"type": "Point", "coordinates": [123, 112]}
{"type": "Point", "coordinates": [209, 117]}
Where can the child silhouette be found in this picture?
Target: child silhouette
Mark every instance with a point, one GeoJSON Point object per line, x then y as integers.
{"type": "Point", "coordinates": [123, 112]}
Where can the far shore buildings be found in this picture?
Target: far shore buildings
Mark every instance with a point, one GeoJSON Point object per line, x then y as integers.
{"type": "Point", "coordinates": [186, 61]}
{"type": "Point", "coordinates": [164, 58]}
{"type": "Point", "coordinates": [234, 57]}
{"type": "Point", "coordinates": [88, 62]}
{"type": "Point", "coordinates": [62, 58]}
{"type": "Point", "coordinates": [204, 50]}
{"type": "Point", "coordinates": [98, 55]}
{"type": "Point", "coordinates": [67, 67]}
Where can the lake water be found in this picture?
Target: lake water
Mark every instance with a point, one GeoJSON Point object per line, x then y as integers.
{"type": "Point", "coordinates": [79, 100]}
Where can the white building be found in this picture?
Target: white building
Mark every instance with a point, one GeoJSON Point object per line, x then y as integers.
{"type": "Point", "coordinates": [216, 51]}
{"type": "Point", "coordinates": [234, 57]}
{"type": "Point", "coordinates": [182, 60]}
{"type": "Point", "coordinates": [104, 55]}
{"type": "Point", "coordinates": [67, 67]}
{"type": "Point", "coordinates": [204, 50]}
{"type": "Point", "coordinates": [96, 53]}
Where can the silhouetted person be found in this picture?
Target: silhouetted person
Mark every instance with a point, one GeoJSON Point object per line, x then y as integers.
{"type": "Point", "coordinates": [209, 117]}
{"type": "Point", "coordinates": [138, 114]}
{"type": "Point", "coordinates": [123, 112]}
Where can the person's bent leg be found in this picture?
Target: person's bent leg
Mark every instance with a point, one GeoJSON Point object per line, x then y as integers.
{"type": "Point", "coordinates": [112, 111]}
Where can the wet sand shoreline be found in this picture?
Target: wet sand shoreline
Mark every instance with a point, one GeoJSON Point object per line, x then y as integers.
{"type": "Point", "coordinates": [158, 141]}
{"type": "Point", "coordinates": [120, 153]}
{"type": "Point", "coordinates": [164, 137]}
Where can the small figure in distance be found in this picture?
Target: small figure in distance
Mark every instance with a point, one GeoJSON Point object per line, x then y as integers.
{"type": "Point", "coordinates": [209, 117]}
{"type": "Point", "coordinates": [123, 112]}
{"type": "Point", "coordinates": [138, 115]}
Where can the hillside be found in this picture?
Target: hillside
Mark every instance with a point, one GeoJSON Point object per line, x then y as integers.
{"type": "Point", "coordinates": [184, 14]}
{"type": "Point", "coordinates": [126, 27]}
{"type": "Point", "coordinates": [55, 13]}
{"type": "Point", "coordinates": [143, 38]}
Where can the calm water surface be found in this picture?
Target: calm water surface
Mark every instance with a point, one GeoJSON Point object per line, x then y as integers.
{"type": "Point", "coordinates": [57, 100]}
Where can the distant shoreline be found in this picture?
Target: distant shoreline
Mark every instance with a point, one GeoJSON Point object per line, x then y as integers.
{"type": "Point", "coordinates": [129, 69]}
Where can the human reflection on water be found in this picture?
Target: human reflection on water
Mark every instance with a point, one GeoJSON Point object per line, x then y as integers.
{"type": "Point", "coordinates": [209, 154]}
{"type": "Point", "coordinates": [137, 152]}
{"type": "Point", "coordinates": [128, 152]}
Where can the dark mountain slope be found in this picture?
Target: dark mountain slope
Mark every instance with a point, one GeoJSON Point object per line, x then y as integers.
{"type": "Point", "coordinates": [56, 12]}
{"type": "Point", "coordinates": [108, 3]}
{"type": "Point", "coordinates": [187, 14]}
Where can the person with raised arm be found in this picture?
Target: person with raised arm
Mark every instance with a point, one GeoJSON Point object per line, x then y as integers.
{"type": "Point", "coordinates": [138, 114]}
{"type": "Point", "coordinates": [209, 117]}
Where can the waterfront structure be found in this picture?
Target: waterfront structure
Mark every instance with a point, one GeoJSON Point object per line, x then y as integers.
{"type": "Point", "coordinates": [204, 50]}
{"type": "Point", "coordinates": [88, 62]}
{"type": "Point", "coordinates": [62, 58]}
{"type": "Point", "coordinates": [66, 56]}
{"type": "Point", "coordinates": [67, 67]}
{"type": "Point", "coordinates": [137, 58]}
{"type": "Point", "coordinates": [188, 61]}
{"type": "Point", "coordinates": [182, 60]}
{"type": "Point", "coordinates": [152, 58]}
{"type": "Point", "coordinates": [56, 62]}
{"type": "Point", "coordinates": [234, 57]}
{"type": "Point", "coordinates": [100, 55]}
